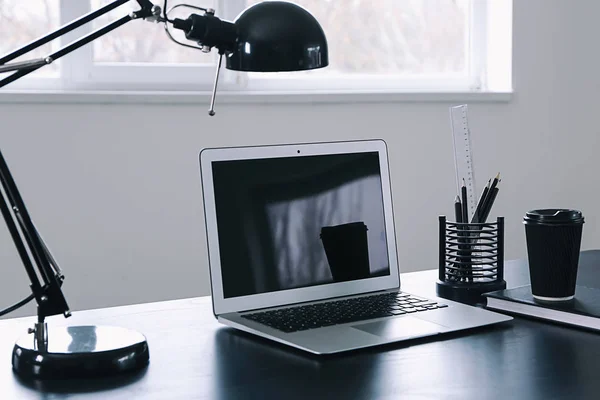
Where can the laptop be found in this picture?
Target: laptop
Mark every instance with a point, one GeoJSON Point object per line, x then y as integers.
{"type": "Point", "coordinates": [302, 249]}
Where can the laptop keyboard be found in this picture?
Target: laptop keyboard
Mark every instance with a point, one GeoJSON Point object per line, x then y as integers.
{"type": "Point", "coordinates": [300, 318]}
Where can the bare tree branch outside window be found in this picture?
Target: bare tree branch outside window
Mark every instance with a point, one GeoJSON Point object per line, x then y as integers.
{"type": "Point", "coordinates": [384, 37]}
{"type": "Point", "coordinates": [23, 21]}
{"type": "Point", "coordinates": [393, 36]}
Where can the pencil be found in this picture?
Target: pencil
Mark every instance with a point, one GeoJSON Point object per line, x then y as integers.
{"type": "Point", "coordinates": [490, 203]}
{"type": "Point", "coordinates": [465, 209]}
{"type": "Point", "coordinates": [495, 182]}
{"type": "Point", "coordinates": [458, 216]}
{"type": "Point", "coordinates": [465, 216]}
{"type": "Point", "coordinates": [458, 209]}
{"type": "Point", "coordinates": [492, 187]}
{"type": "Point", "coordinates": [477, 215]}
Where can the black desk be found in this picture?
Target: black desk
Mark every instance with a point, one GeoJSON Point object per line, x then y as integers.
{"type": "Point", "coordinates": [193, 357]}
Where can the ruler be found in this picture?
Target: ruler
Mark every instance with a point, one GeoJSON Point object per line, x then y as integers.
{"type": "Point", "coordinates": [463, 155]}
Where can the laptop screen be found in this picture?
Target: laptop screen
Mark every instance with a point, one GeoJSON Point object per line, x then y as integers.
{"type": "Point", "coordinates": [294, 222]}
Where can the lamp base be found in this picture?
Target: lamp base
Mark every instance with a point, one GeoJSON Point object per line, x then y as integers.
{"type": "Point", "coordinates": [470, 293]}
{"type": "Point", "coordinates": [80, 352]}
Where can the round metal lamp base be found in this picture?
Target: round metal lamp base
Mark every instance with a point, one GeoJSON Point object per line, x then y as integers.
{"type": "Point", "coordinates": [80, 352]}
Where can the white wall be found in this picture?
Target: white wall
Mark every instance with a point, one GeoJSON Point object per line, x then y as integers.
{"type": "Point", "coordinates": [115, 189]}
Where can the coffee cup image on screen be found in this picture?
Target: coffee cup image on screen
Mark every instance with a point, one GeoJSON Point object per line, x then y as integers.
{"type": "Point", "coordinates": [347, 249]}
{"type": "Point", "coordinates": [294, 222]}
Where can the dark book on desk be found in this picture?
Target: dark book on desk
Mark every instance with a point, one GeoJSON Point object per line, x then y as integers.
{"type": "Point", "coordinates": [583, 311]}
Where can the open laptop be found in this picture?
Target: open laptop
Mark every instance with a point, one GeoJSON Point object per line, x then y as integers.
{"type": "Point", "coordinates": [302, 249]}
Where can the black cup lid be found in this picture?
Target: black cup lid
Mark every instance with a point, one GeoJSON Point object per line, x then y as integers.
{"type": "Point", "coordinates": [343, 227]}
{"type": "Point", "coordinates": [553, 216]}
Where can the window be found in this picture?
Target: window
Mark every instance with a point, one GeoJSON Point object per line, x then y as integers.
{"type": "Point", "coordinates": [374, 45]}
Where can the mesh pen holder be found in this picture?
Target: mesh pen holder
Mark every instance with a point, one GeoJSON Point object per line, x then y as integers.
{"type": "Point", "coordinates": [471, 260]}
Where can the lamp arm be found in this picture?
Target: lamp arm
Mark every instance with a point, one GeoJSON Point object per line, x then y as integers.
{"type": "Point", "coordinates": [46, 282]}
{"type": "Point", "coordinates": [36, 287]}
{"type": "Point", "coordinates": [61, 31]}
{"type": "Point", "coordinates": [44, 273]}
{"type": "Point", "coordinates": [206, 30]}
{"type": "Point", "coordinates": [147, 11]}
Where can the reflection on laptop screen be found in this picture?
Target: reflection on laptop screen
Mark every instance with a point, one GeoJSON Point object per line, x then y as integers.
{"type": "Point", "coordinates": [294, 222]}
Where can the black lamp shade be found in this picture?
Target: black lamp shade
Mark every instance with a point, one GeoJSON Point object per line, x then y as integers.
{"type": "Point", "coordinates": [278, 36]}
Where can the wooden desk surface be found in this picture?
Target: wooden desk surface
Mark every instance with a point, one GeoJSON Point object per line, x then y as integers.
{"type": "Point", "coordinates": [193, 357]}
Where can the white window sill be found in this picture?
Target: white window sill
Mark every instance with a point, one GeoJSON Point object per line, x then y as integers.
{"type": "Point", "coordinates": [232, 97]}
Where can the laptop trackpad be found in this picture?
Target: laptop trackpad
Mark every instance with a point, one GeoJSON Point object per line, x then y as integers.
{"type": "Point", "coordinates": [400, 327]}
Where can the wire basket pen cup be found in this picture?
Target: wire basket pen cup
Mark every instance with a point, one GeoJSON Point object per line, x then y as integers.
{"type": "Point", "coordinates": [471, 260]}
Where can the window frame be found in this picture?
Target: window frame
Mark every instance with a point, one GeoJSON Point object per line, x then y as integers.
{"type": "Point", "coordinates": [78, 72]}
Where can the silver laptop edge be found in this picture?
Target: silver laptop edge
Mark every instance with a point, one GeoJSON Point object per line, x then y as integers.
{"type": "Point", "coordinates": [342, 337]}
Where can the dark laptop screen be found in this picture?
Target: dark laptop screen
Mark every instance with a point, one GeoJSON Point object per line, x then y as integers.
{"type": "Point", "coordinates": [294, 222]}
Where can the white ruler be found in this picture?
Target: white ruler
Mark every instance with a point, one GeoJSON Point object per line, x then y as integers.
{"type": "Point", "coordinates": [463, 155]}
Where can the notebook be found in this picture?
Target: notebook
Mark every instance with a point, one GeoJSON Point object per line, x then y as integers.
{"type": "Point", "coordinates": [583, 311]}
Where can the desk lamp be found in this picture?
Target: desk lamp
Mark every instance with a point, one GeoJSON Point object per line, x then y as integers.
{"type": "Point", "coordinates": [268, 37]}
